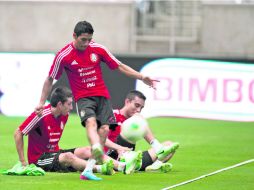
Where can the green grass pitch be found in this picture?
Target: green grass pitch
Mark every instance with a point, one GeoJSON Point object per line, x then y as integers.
{"type": "Point", "coordinates": [205, 146]}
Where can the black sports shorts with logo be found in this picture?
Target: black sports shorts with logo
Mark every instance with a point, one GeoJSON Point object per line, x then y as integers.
{"type": "Point", "coordinates": [49, 161]}
{"type": "Point", "coordinates": [98, 107]}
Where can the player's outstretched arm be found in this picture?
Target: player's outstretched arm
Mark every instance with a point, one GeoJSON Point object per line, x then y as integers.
{"type": "Point", "coordinates": [47, 87]}
{"type": "Point", "coordinates": [18, 137]}
{"type": "Point", "coordinates": [125, 69]}
{"type": "Point", "coordinates": [120, 149]}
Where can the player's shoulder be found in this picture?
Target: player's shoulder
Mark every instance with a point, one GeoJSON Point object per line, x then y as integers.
{"type": "Point", "coordinates": [116, 111]}
{"type": "Point", "coordinates": [34, 118]}
{"type": "Point", "coordinates": [118, 114]}
{"type": "Point", "coordinates": [46, 110]}
{"type": "Point", "coordinates": [66, 49]}
{"type": "Point", "coordinates": [96, 45]}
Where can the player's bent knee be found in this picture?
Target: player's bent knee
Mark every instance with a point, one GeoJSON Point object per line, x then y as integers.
{"type": "Point", "coordinates": [66, 158]}
{"type": "Point", "coordinates": [105, 129]}
{"type": "Point", "coordinates": [83, 153]}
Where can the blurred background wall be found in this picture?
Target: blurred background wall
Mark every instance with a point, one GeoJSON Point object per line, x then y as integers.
{"type": "Point", "coordinates": [196, 28]}
{"type": "Point", "coordinates": [48, 25]}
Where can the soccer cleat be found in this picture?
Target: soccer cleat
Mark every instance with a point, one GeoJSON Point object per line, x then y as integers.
{"type": "Point", "coordinates": [88, 175]}
{"type": "Point", "coordinates": [131, 158]}
{"type": "Point", "coordinates": [163, 167]}
{"type": "Point", "coordinates": [166, 150]}
{"type": "Point", "coordinates": [98, 154]}
{"type": "Point", "coordinates": [139, 161]}
{"type": "Point", "coordinates": [108, 168]}
{"type": "Point", "coordinates": [166, 167]}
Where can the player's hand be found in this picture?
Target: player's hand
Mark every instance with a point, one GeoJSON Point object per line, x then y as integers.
{"type": "Point", "coordinates": [24, 163]}
{"type": "Point", "coordinates": [122, 150]}
{"type": "Point", "coordinates": [38, 109]}
{"type": "Point", "coordinates": [150, 82]}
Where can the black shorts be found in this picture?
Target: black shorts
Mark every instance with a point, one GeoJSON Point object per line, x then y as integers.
{"type": "Point", "coordinates": [146, 158]}
{"type": "Point", "coordinates": [98, 107]}
{"type": "Point", "coordinates": [49, 161]}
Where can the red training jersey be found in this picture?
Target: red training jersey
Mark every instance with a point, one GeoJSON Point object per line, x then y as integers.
{"type": "Point", "coordinates": [112, 135]}
{"type": "Point", "coordinates": [43, 132]}
{"type": "Point", "coordinates": [83, 69]}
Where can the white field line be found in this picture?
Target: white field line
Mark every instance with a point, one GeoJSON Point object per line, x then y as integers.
{"type": "Point", "coordinates": [206, 175]}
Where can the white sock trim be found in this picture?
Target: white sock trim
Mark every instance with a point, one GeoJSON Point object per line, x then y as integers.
{"type": "Point", "coordinates": [98, 168]}
{"type": "Point", "coordinates": [156, 145]}
{"type": "Point", "coordinates": [89, 165]}
{"type": "Point", "coordinates": [121, 166]}
{"type": "Point", "coordinates": [96, 145]}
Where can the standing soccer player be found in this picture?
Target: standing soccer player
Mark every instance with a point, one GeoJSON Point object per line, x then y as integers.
{"type": "Point", "coordinates": [81, 61]}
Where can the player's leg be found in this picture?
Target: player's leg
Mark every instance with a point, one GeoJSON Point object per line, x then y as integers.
{"type": "Point", "coordinates": [161, 164]}
{"type": "Point", "coordinates": [156, 165]}
{"type": "Point", "coordinates": [76, 158]}
{"type": "Point", "coordinates": [133, 160]}
{"type": "Point", "coordinates": [68, 159]}
{"type": "Point", "coordinates": [113, 155]}
{"type": "Point", "coordinates": [118, 166]}
{"type": "Point", "coordinates": [107, 168]}
{"type": "Point", "coordinates": [83, 152]}
{"type": "Point", "coordinates": [170, 155]}
{"type": "Point", "coordinates": [127, 162]}
{"type": "Point", "coordinates": [47, 161]}
{"type": "Point", "coordinates": [147, 159]}
{"type": "Point", "coordinates": [103, 133]}
{"type": "Point", "coordinates": [97, 153]}
{"type": "Point", "coordinates": [155, 144]}
{"type": "Point", "coordinates": [61, 161]}
{"type": "Point", "coordinates": [93, 137]}
{"type": "Point", "coordinates": [86, 110]}
{"type": "Point", "coordinates": [105, 117]}
{"type": "Point", "coordinates": [167, 151]}
{"type": "Point", "coordinates": [161, 149]}
{"type": "Point", "coordinates": [127, 166]}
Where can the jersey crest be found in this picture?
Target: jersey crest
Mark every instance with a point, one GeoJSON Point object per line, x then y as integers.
{"type": "Point", "coordinates": [94, 57]}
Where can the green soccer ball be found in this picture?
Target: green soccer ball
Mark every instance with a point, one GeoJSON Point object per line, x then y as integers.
{"type": "Point", "coordinates": [134, 128]}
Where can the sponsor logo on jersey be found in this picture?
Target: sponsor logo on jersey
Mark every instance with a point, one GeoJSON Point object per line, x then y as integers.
{"type": "Point", "coordinates": [93, 57]}
{"type": "Point", "coordinates": [51, 147]}
{"type": "Point", "coordinates": [91, 84]}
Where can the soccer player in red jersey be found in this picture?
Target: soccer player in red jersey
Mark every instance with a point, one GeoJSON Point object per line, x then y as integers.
{"type": "Point", "coordinates": [153, 159]}
{"type": "Point", "coordinates": [81, 61]}
{"type": "Point", "coordinates": [44, 133]}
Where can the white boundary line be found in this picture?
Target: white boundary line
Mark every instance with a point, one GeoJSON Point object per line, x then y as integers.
{"type": "Point", "coordinates": [206, 175]}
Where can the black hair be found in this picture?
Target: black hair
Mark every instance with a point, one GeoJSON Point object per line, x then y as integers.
{"type": "Point", "coordinates": [59, 94]}
{"type": "Point", "coordinates": [135, 93]}
{"type": "Point", "coordinates": [83, 27]}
